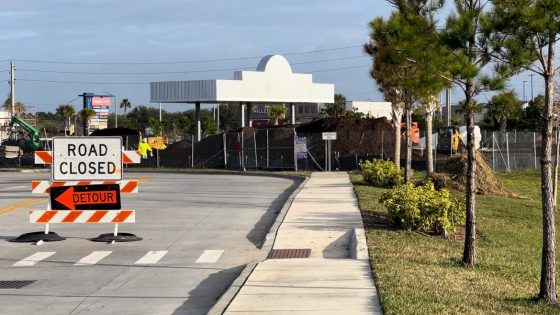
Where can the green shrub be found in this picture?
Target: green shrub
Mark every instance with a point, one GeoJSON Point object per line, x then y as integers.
{"type": "Point", "coordinates": [423, 208]}
{"type": "Point", "coordinates": [382, 173]}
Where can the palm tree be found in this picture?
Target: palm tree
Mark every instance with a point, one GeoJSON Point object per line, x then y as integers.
{"type": "Point", "coordinates": [66, 111]}
{"type": "Point", "coordinates": [430, 105]}
{"type": "Point", "coordinates": [86, 114]}
{"type": "Point", "coordinates": [276, 112]}
{"type": "Point", "coordinates": [125, 104]}
{"type": "Point", "coordinates": [19, 108]}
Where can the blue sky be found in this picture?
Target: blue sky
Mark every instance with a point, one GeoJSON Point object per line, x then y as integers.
{"type": "Point", "coordinates": [112, 32]}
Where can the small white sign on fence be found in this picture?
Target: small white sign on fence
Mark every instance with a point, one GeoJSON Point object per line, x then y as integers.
{"type": "Point", "coordinates": [329, 135]}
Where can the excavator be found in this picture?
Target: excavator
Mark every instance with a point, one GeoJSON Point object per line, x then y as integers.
{"type": "Point", "coordinates": [449, 139]}
{"type": "Point", "coordinates": [26, 137]}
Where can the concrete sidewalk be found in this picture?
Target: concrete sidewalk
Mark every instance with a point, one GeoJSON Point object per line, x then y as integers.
{"type": "Point", "coordinates": [336, 278]}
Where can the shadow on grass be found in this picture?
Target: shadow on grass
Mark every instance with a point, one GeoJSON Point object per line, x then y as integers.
{"type": "Point", "coordinates": [532, 301]}
{"type": "Point", "coordinates": [377, 220]}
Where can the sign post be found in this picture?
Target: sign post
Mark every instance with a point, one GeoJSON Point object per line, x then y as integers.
{"type": "Point", "coordinates": [85, 187]}
{"type": "Point", "coordinates": [328, 137]}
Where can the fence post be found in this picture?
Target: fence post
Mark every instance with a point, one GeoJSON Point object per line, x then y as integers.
{"type": "Point", "coordinates": [535, 149]}
{"type": "Point", "coordinates": [192, 151]}
{"type": "Point", "coordinates": [242, 150]}
{"type": "Point", "coordinates": [507, 151]}
{"type": "Point", "coordinates": [493, 153]}
{"type": "Point", "coordinates": [382, 145]}
{"type": "Point", "coordinates": [326, 156]}
{"type": "Point", "coordinates": [295, 155]}
{"type": "Point", "coordinates": [435, 152]}
{"type": "Point", "coordinates": [267, 151]}
{"type": "Point", "coordinates": [255, 146]}
{"type": "Point", "coordinates": [225, 148]}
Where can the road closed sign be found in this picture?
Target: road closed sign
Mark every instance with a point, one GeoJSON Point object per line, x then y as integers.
{"type": "Point", "coordinates": [87, 158]}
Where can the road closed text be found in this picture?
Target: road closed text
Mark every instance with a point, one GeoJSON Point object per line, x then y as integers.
{"type": "Point", "coordinates": [82, 168]}
{"type": "Point", "coordinates": [87, 158]}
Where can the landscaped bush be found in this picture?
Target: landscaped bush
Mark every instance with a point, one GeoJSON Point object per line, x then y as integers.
{"type": "Point", "coordinates": [423, 208]}
{"type": "Point", "coordinates": [382, 173]}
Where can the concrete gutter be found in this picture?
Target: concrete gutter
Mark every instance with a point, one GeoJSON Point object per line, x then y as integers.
{"type": "Point", "coordinates": [226, 298]}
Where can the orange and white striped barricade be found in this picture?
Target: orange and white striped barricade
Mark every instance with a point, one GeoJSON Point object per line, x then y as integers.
{"type": "Point", "coordinates": [128, 186]}
{"type": "Point", "coordinates": [73, 153]}
{"type": "Point", "coordinates": [128, 157]}
{"type": "Point", "coordinates": [82, 216]}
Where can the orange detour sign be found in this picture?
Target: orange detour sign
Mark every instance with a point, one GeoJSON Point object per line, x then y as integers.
{"type": "Point", "coordinates": [86, 197]}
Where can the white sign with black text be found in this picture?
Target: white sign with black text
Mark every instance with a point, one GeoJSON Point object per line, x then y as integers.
{"type": "Point", "coordinates": [329, 135]}
{"type": "Point", "coordinates": [87, 158]}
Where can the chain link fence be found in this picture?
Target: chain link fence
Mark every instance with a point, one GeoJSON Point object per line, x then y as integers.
{"type": "Point", "coordinates": [513, 150]}
{"type": "Point", "coordinates": [274, 149]}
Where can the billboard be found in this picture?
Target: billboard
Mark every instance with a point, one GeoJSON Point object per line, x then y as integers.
{"type": "Point", "coordinates": [101, 105]}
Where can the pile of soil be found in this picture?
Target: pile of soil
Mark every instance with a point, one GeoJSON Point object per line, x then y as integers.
{"type": "Point", "coordinates": [357, 139]}
{"type": "Point", "coordinates": [454, 176]}
{"type": "Point", "coordinates": [362, 137]}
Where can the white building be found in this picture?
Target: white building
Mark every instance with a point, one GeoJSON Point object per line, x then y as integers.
{"type": "Point", "coordinates": [273, 82]}
{"type": "Point", "coordinates": [4, 124]}
{"type": "Point", "coordinates": [371, 109]}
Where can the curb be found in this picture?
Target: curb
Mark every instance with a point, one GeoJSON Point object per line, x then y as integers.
{"type": "Point", "coordinates": [225, 300]}
{"type": "Point", "coordinates": [228, 296]}
{"type": "Point", "coordinates": [358, 244]}
{"type": "Point", "coordinates": [24, 170]}
{"type": "Point", "coordinates": [214, 172]}
{"type": "Point", "coordinates": [271, 235]}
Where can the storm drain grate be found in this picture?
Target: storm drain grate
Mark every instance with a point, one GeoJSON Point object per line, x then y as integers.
{"type": "Point", "coordinates": [15, 284]}
{"type": "Point", "coordinates": [289, 253]}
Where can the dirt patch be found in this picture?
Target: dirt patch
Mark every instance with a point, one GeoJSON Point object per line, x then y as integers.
{"type": "Point", "coordinates": [376, 220]}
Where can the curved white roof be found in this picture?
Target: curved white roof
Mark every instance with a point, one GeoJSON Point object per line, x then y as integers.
{"type": "Point", "coordinates": [272, 82]}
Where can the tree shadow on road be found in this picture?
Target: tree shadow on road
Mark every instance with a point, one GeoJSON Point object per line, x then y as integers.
{"type": "Point", "coordinates": [207, 293]}
{"type": "Point", "coordinates": [261, 228]}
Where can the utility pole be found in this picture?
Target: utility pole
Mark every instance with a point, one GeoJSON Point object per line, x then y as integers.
{"type": "Point", "coordinates": [524, 98]}
{"type": "Point", "coordinates": [12, 88]}
{"type": "Point", "coordinates": [116, 112]}
{"type": "Point", "coordinates": [532, 96]}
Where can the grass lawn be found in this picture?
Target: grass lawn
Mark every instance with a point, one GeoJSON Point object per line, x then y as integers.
{"type": "Point", "coordinates": [418, 274]}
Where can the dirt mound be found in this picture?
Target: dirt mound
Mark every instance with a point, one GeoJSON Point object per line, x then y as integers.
{"type": "Point", "coordinates": [454, 176]}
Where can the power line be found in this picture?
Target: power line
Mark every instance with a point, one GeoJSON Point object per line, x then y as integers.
{"type": "Point", "coordinates": [144, 83]}
{"type": "Point", "coordinates": [84, 82]}
{"type": "Point", "coordinates": [179, 62]}
{"type": "Point", "coordinates": [178, 72]}
{"type": "Point", "coordinates": [336, 69]}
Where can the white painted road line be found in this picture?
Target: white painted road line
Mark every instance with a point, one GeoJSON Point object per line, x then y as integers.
{"type": "Point", "coordinates": [209, 257]}
{"type": "Point", "coordinates": [33, 259]}
{"type": "Point", "coordinates": [151, 257]}
{"type": "Point", "coordinates": [93, 258]}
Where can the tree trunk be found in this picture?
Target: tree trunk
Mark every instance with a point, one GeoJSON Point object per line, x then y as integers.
{"type": "Point", "coordinates": [408, 165]}
{"type": "Point", "coordinates": [397, 138]}
{"type": "Point", "coordinates": [548, 264]}
{"type": "Point", "coordinates": [469, 251]}
{"type": "Point", "coordinates": [429, 146]}
{"type": "Point", "coordinates": [503, 125]}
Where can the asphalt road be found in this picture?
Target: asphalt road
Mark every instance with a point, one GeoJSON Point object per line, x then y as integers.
{"type": "Point", "coordinates": [198, 231]}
